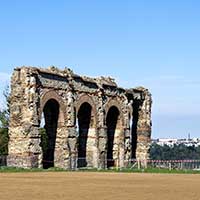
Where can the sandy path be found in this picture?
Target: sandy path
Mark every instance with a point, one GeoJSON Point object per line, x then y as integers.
{"type": "Point", "coordinates": [96, 186]}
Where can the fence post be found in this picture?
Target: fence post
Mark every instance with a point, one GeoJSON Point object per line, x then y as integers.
{"type": "Point", "coordinates": [138, 161]}
{"type": "Point", "coordinates": [181, 165]}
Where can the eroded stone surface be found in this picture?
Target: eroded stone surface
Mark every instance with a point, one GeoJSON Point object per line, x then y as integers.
{"type": "Point", "coordinates": [31, 90]}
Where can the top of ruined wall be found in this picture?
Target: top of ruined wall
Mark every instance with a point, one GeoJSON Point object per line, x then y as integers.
{"type": "Point", "coordinates": [70, 79]}
{"type": "Point", "coordinates": [68, 73]}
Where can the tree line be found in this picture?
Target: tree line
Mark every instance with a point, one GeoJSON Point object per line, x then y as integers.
{"type": "Point", "coordinates": [176, 152]}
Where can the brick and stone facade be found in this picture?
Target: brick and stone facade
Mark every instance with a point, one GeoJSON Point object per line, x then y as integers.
{"type": "Point", "coordinates": [89, 122]}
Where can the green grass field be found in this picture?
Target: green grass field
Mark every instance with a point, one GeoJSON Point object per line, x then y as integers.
{"type": "Point", "coordinates": [148, 170]}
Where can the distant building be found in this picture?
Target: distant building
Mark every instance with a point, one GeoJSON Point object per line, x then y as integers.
{"type": "Point", "coordinates": [172, 141]}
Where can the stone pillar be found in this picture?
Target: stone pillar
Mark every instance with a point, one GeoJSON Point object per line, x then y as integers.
{"type": "Point", "coordinates": [144, 128]}
{"type": "Point", "coordinates": [66, 135]}
{"type": "Point", "coordinates": [61, 154]}
{"type": "Point", "coordinates": [118, 147]}
{"type": "Point", "coordinates": [125, 143]}
{"type": "Point", "coordinates": [121, 154]}
{"type": "Point", "coordinates": [101, 132]}
{"type": "Point", "coordinates": [71, 145]}
{"type": "Point", "coordinates": [24, 144]}
{"type": "Point", "coordinates": [127, 146]}
{"type": "Point", "coordinates": [102, 139]}
{"type": "Point", "coordinates": [91, 148]}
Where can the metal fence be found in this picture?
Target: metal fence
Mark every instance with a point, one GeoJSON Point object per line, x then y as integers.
{"type": "Point", "coordinates": [175, 164]}
{"type": "Point", "coordinates": [82, 163]}
{"type": "Point", "coordinates": [164, 164]}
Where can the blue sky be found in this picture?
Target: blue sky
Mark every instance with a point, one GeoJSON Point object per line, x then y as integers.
{"type": "Point", "coordinates": [155, 44]}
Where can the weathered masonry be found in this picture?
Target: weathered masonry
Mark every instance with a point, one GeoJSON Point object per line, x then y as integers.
{"type": "Point", "coordinates": [88, 122]}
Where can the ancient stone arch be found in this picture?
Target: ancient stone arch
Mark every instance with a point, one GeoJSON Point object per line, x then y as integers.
{"type": "Point", "coordinates": [84, 98]}
{"type": "Point", "coordinates": [51, 117]}
{"type": "Point", "coordinates": [51, 94]}
{"type": "Point", "coordinates": [114, 102]}
{"type": "Point", "coordinates": [82, 114]}
{"type": "Point", "coordinates": [115, 124]}
{"type": "Point", "coordinates": [87, 139]}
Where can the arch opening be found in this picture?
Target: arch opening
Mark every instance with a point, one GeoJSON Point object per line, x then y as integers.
{"type": "Point", "coordinates": [84, 124]}
{"type": "Point", "coordinates": [134, 127]}
{"type": "Point", "coordinates": [49, 122]}
{"type": "Point", "coordinates": [112, 123]}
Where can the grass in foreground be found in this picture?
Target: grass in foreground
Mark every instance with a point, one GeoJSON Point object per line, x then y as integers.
{"type": "Point", "coordinates": [16, 169]}
{"type": "Point", "coordinates": [148, 170]}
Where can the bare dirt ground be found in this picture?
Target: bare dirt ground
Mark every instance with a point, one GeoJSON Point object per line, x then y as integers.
{"type": "Point", "coordinates": [96, 186]}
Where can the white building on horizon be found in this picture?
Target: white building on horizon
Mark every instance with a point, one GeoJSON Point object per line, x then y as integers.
{"type": "Point", "coordinates": [173, 141]}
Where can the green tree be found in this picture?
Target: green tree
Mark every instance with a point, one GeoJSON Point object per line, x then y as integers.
{"type": "Point", "coordinates": [4, 123]}
{"type": "Point", "coordinates": [44, 140]}
{"type": "Point", "coordinates": [5, 112]}
{"type": "Point", "coordinates": [176, 152]}
{"type": "Point", "coordinates": [4, 138]}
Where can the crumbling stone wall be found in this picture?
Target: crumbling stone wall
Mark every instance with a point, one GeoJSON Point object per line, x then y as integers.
{"type": "Point", "coordinates": [90, 122]}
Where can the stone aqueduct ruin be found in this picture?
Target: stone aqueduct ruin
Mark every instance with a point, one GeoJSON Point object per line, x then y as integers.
{"type": "Point", "coordinates": [89, 122]}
